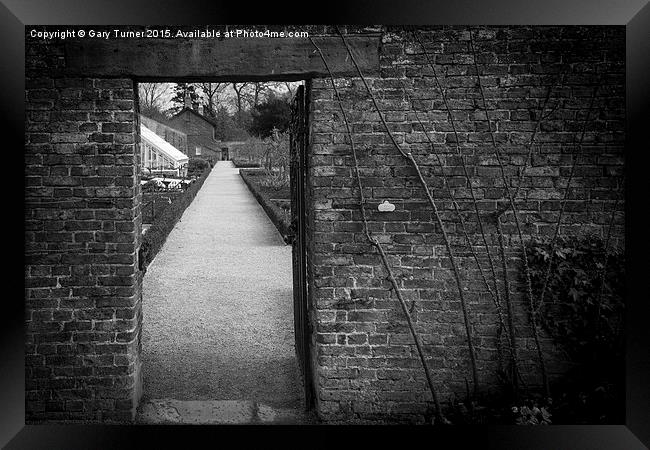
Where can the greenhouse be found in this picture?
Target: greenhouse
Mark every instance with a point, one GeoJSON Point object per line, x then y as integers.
{"type": "Point", "coordinates": [158, 155]}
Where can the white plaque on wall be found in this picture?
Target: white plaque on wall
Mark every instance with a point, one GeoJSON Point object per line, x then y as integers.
{"type": "Point", "coordinates": [386, 206]}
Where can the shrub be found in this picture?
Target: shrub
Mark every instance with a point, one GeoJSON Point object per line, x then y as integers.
{"type": "Point", "coordinates": [272, 153]}
{"type": "Point", "coordinates": [197, 166]}
{"type": "Point", "coordinates": [583, 313]}
{"type": "Point", "coordinates": [245, 164]}
{"type": "Point", "coordinates": [163, 224]}
{"type": "Point", "coordinates": [583, 309]}
{"type": "Point", "coordinates": [154, 203]}
{"type": "Point", "coordinates": [531, 415]}
{"type": "Point", "coordinates": [276, 158]}
{"type": "Point", "coordinates": [252, 150]}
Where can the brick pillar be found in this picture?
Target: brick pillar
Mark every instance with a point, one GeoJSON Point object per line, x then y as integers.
{"type": "Point", "coordinates": [83, 286]}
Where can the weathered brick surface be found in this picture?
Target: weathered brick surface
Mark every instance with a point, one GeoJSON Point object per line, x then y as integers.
{"type": "Point", "coordinates": [82, 222]}
{"type": "Point", "coordinates": [364, 356]}
{"type": "Point", "coordinates": [83, 287]}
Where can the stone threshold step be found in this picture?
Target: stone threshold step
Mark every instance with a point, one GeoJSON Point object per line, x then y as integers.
{"type": "Point", "coordinates": [217, 412]}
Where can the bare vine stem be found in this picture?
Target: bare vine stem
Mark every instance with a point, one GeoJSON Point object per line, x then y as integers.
{"type": "Point", "coordinates": [603, 272]}
{"type": "Point", "coordinates": [506, 289]}
{"type": "Point", "coordinates": [511, 332]}
{"type": "Point", "coordinates": [463, 163]}
{"type": "Point", "coordinates": [496, 298]}
{"type": "Point", "coordinates": [452, 258]}
{"type": "Point", "coordinates": [556, 233]}
{"type": "Point", "coordinates": [541, 117]}
{"type": "Point", "coordinates": [378, 246]}
{"type": "Point", "coordinates": [529, 285]}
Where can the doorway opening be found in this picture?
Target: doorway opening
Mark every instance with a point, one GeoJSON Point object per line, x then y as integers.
{"type": "Point", "coordinates": [225, 334]}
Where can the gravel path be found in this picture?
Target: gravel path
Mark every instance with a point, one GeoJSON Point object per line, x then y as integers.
{"type": "Point", "coordinates": [217, 303]}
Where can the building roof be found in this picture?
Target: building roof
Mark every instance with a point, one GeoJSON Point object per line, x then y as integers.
{"type": "Point", "coordinates": [207, 119]}
{"type": "Point", "coordinates": [162, 145]}
{"type": "Point", "coordinates": [164, 124]}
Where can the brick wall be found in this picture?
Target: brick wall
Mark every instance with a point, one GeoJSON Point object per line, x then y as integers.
{"type": "Point", "coordinates": [364, 357]}
{"type": "Point", "coordinates": [82, 224]}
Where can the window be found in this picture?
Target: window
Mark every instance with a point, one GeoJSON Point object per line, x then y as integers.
{"type": "Point", "coordinates": [198, 151]}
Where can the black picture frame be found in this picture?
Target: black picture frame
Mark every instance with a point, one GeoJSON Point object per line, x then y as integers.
{"type": "Point", "coordinates": [634, 14]}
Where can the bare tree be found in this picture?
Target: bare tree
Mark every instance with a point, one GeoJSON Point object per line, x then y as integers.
{"type": "Point", "coordinates": [211, 93]}
{"type": "Point", "coordinates": [151, 94]}
{"type": "Point", "coordinates": [290, 88]}
{"type": "Point", "coordinates": [240, 94]}
{"type": "Point", "coordinates": [258, 90]}
{"type": "Point", "coordinates": [253, 93]}
{"type": "Point", "coordinates": [283, 87]}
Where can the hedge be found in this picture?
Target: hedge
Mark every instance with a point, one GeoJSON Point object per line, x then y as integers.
{"type": "Point", "coordinates": [197, 166]}
{"type": "Point", "coordinates": [275, 213]}
{"type": "Point", "coordinates": [164, 222]}
{"type": "Point", "coordinates": [244, 163]}
{"type": "Point", "coordinates": [160, 204]}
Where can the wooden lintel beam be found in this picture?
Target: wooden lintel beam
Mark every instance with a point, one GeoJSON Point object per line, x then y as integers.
{"type": "Point", "coordinates": [242, 59]}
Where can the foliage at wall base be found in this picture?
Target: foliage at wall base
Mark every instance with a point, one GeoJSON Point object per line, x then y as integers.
{"type": "Point", "coordinates": [583, 313]}
{"type": "Point", "coordinates": [583, 310]}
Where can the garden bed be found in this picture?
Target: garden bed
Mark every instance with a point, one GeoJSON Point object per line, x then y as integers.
{"type": "Point", "coordinates": [154, 203]}
{"type": "Point", "coordinates": [275, 202]}
{"type": "Point", "coordinates": [165, 219]}
{"type": "Point", "coordinates": [245, 163]}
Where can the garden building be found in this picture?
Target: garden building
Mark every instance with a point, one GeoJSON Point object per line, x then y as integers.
{"type": "Point", "coordinates": [175, 137]}
{"type": "Point", "coordinates": [200, 131]}
{"type": "Point", "coordinates": [157, 155]}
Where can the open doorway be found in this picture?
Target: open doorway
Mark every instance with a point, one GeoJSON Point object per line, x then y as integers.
{"type": "Point", "coordinates": [225, 329]}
